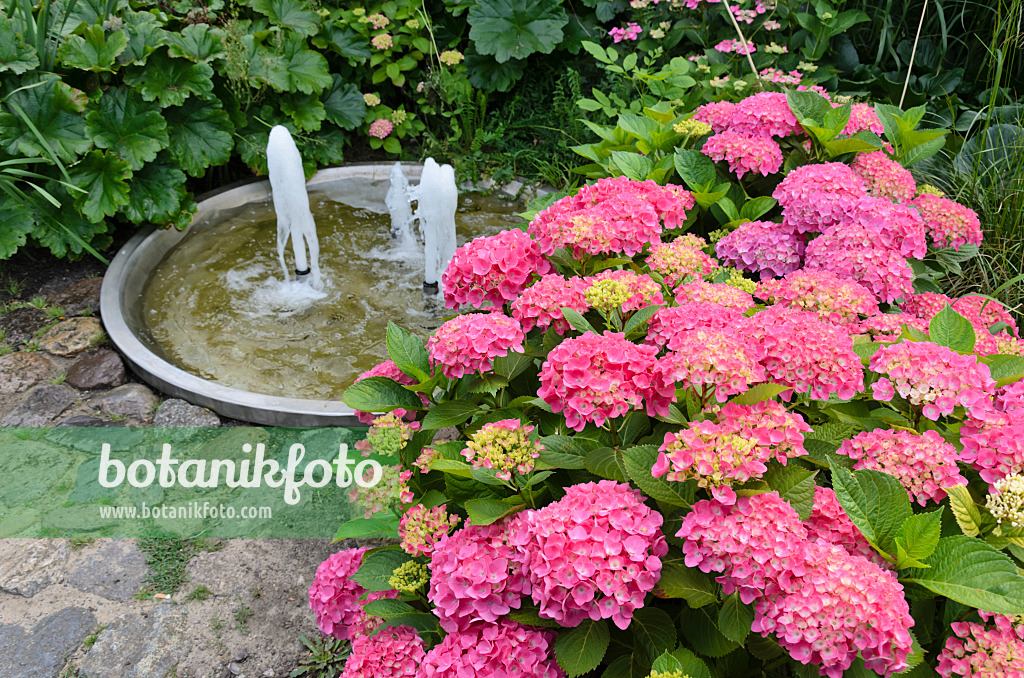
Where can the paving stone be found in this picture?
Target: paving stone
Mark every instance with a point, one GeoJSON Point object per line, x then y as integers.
{"type": "Point", "coordinates": [134, 645]}
{"type": "Point", "coordinates": [21, 324]}
{"type": "Point", "coordinates": [84, 420]}
{"type": "Point", "coordinates": [79, 297]}
{"type": "Point", "coordinates": [72, 336]}
{"type": "Point", "coordinates": [113, 569]}
{"type": "Point", "coordinates": [177, 412]}
{"type": "Point", "coordinates": [42, 406]}
{"type": "Point", "coordinates": [22, 370]}
{"type": "Point", "coordinates": [130, 400]}
{"type": "Point", "coordinates": [102, 368]}
{"type": "Point", "coordinates": [41, 652]}
{"type": "Point", "coordinates": [27, 566]}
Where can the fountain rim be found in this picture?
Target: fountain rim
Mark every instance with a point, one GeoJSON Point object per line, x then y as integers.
{"type": "Point", "coordinates": [144, 246]}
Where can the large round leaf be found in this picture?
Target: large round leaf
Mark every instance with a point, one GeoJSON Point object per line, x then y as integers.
{"type": "Point", "coordinates": [130, 127]}
{"type": "Point", "coordinates": [515, 29]}
{"type": "Point", "coordinates": [55, 129]}
{"type": "Point", "coordinates": [200, 135]}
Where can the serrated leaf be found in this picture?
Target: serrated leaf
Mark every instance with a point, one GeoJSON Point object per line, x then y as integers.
{"type": "Point", "coordinates": [632, 165]}
{"type": "Point", "coordinates": [809, 107]}
{"type": "Point", "coordinates": [17, 221]}
{"type": "Point", "coordinates": [200, 135]}
{"type": "Point", "coordinates": [451, 413]}
{"type": "Point", "coordinates": [94, 50]}
{"type": "Point", "coordinates": [653, 631]}
{"type": "Point", "coordinates": [735, 618]}
{"type": "Point", "coordinates": [155, 194]}
{"type": "Point", "coordinates": [145, 35]}
{"type": "Point", "coordinates": [515, 29]}
{"type": "Point", "coordinates": [380, 394]}
{"type": "Point", "coordinates": [917, 538]}
{"type": "Point", "coordinates": [170, 81]}
{"type": "Point", "coordinates": [694, 168]}
{"type": "Point", "coordinates": [291, 14]}
{"type": "Point", "coordinates": [1005, 369]}
{"type": "Point", "coordinates": [759, 392]}
{"type": "Point", "coordinates": [876, 503]}
{"type": "Point", "coordinates": [349, 44]}
{"type": "Point", "coordinates": [408, 352]}
{"type": "Point", "coordinates": [123, 123]}
{"type": "Point", "coordinates": [16, 55]}
{"type": "Point", "coordinates": [701, 630]}
{"type": "Point", "coordinates": [794, 484]}
{"type": "Point", "coordinates": [640, 318]}
{"type": "Point", "coordinates": [300, 68]}
{"type": "Point", "coordinates": [688, 583]}
{"type": "Point", "coordinates": [578, 322]}
{"type": "Point", "coordinates": [63, 132]}
{"type": "Point", "coordinates": [344, 104]}
{"type": "Point", "coordinates": [388, 608]}
{"type": "Point", "coordinates": [488, 511]}
{"type": "Point", "coordinates": [973, 573]}
{"type": "Point", "coordinates": [386, 525]}
{"type": "Point", "coordinates": [375, 572]}
{"type": "Point", "coordinates": [581, 649]}
{"type": "Point", "coordinates": [196, 42]}
{"type": "Point", "coordinates": [639, 461]}
{"type": "Point", "coordinates": [965, 510]}
{"type": "Point", "coordinates": [104, 178]}
{"type": "Point", "coordinates": [566, 452]}
{"type": "Point", "coordinates": [949, 328]}
{"type": "Point", "coordinates": [604, 462]}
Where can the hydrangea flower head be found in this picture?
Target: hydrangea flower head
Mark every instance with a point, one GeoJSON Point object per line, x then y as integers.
{"type": "Point", "coordinates": [722, 294]}
{"type": "Point", "coordinates": [925, 305]}
{"type": "Point", "coordinates": [713, 361]}
{"type": "Point", "coordinates": [863, 118]}
{"type": "Point", "coordinates": [680, 259]}
{"type": "Point", "coordinates": [829, 523]}
{"type": "Point", "coordinates": [984, 313]}
{"type": "Point", "coordinates": [381, 127]}
{"type": "Point", "coordinates": [594, 554]}
{"type": "Point", "coordinates": [409, 577]}
{"type": "Point", "coordinates": [1006, 502]}
{"type": "Point", "coordinates": [835, 299]}
{"type": "Point", "coordinates": [995, 447]}
{"type": "Point", "coordinates": [980, 651]}
{"type": "Point", "coordinates": [391, 490]}
{"type": "Point", "coordinates": [387, 436]}
{"type": "Point", "coordinates": [691, 128]}
{"type": "Point", "coordinates": [495, 268]}
{"type": "Point", "coordinates": [475, 576]}
{"type": "Point", "coordinates": [949, 223]}
{"type": "Point", "coordinates": [335, 597]}
{"type": "Point", "coordinates": [814, 197]}
{"type": "Point", "coordinates": [745, 154]}
{"type": "Point", "coordinates": [887, 327]}
{"type": "Point", "coordinates": [420, 528]}
{"type": "Point", "coordinates": [854, 252]}
{"type": "Point", "coordinates": [622, 290]}
{"type": "Point", "coordinates": [504, 648]}
{"type": "Point", "coordinates": [669, 326]}
{"type": "Point", "coordinates": [396, 652]}
{"type": "Point", "coordinates": [718, 114]}
{"type": "Point", "coordinates": [766, 114]}
{"type": "Point", "coordinates": [504, 446]}
{"type": "Point", "coordinates": [764, 247]}
{"type": "Point", "coordinates": [470, 343]}
{"type": "Point", "coordinates": [541, 304]}
{"type": "Point", "coordinates": [932, 377]}
{"type": "Point", "coordinates": [594, 378]}
{"type": "Point", "coordinates": [898, 227]}
{"type": "Point", "coordinates": [371, 99]}
{"type": "Point", "coordinates": [924, 464]}
{"type": "Point", "coordinates": [382, 41]}
{"type": "Point", "coordinates": [884, 177]}
{"type": "Point", "coordinates": [451, 57]}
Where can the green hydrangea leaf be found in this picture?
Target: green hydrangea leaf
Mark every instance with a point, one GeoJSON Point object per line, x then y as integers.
{"type": "Point", "coordinates": [291, 14]}
{"type": "Point", "coordinates": [735, 618]}
{"type": "Point", "coordinates": [94, 50]}
{"type": "Point", "coordinates": [156, 193]}
{"type": "Point", "coordinates": [123, 123]}
{"type": "Point", "coordinates": [973, 573]}
{"type": "Point", "coordinates": [200, 135]}
{"type": "Point", "coordinates": [63, 132]}
{"type": "Point", "coordinates": [15, 54]}
{"type": "Point", "coordinates": [18, 222]}
{"type": "Point", "coordinates": [581, 649]}
{"type": "Point", "coordinates": [344, 104]}
{"type": "Point", "coordinates": [305, 109]}
{"type": "Point", "coordinates": [876, 503]}
{"type": "Point", "coordinates": [380, 394]}
{"type": "Point", "coordinates": [170, 81]}
{"type": "Point", "coordinates": [949, 328]}
{"type": "Point", "coordinates": [145, 35]}
{"type": "Point", "coordinates": [653, 631]}
{"type": "Point", "coordinates": [104, 177]}
{"type": "Point", "coordinates": [197, 42]}
{"type": "Point", "coordinates": [515, 29]}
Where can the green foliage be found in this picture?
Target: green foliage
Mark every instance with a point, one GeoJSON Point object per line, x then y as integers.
{"type": "Point", "coordinates": [515, 29]}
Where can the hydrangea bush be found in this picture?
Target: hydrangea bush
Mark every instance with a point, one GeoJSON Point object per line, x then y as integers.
{"type": "Point", "coordinates": [653, 465]}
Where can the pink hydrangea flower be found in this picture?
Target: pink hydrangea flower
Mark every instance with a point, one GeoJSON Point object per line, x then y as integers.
{"type": "Point", "coordinates": [594, 554]}
{"type": "Point", "coordinates": [381, 127]}
{"type": "Point", "coordinates": [335, 597]}
{"type": "Point", "coordinates": [420, 528]}
{"type": "Point", "coordinates": [632, 31]}
{"type": "Point", "coordinates": [718, 114]}
{"type": "Point", "coordinates": [668, 327]}
{"type": "Point", "coordinates": [863, 118]}
{"type": "Point", "coordinates": [807, 354]}
{"type": "Point", "coordinates": [496, 268]}
{"type": "Point", "coordinates": [829, 523]}
{"type": "Point", "coordinates": [949, 223]}
{"type": "Point", "coordinates": [925, 305]}
{"type": "Point", "coordinates": [887, 327]}
{"type": "Point", "coordinates": [390, 370]}
{"type": "Point", "coordinates": [1010, 397]}
{"type": "Point", "coordinates": [980, 651]}
{"type": "Point", "coordinates": [469, 343]}
{"type": "Point", "coordinates": [505, 648]}
{"type": "Point", "coordinates": [504, 446]}
{"type": "Point", "coordinates": [984, 313]}
{"type": "Point", "coordinates": [925, 464]}
{"type": "Point", "coordinates": [994, 444]}
{"type": "Point", "coordinates": [898, 227]}
{"type": "Point", "coordinates": [855, 252]}
{"type": "Point", "coordinates": [932, 377]}
{"type": "Point", "coordinates": [840, 607]}
{"type": "Point", "coordinates": [884, 177]}
{"type": "Point", "coordinates": [541, 304]}
{"type": "Point", "coordinates": [621, 290]}
{"type": "Point", "coordinates": [765, 114]}
{"type": "Point", "coordinates": [475, 576]}
{"type": "Point", "coordinates": [680, 259]}
{"type": "Point", "coordinates": [735, 449]}
{"type": "Point", "coordinates": [753, 154]}
{"type": "Point", "coordinates": [815, 197]}
{"type": "Point", "coordinates": [391, 490]}
{"type": "Point", "coordinates": [835, 299]}
{"type": "Point", "coordinates": [594, 378]}
{"type": "Point", "coordinates": [764, 247]}
{"type": "Point", "coordinates": [714, 293]}
{"type": "Point", "coordinates": [728, 46]}
{"type": "Point", "coordinates": [713, 362]}
{"type": "Point", "coordinates": [396, 652]}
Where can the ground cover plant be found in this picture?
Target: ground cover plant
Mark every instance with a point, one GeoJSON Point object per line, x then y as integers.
{"type": "Point", "coordinates": [767, 456]}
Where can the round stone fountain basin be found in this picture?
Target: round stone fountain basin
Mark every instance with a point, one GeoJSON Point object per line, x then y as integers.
{"type": "Point", "coordinates": [202, 314]}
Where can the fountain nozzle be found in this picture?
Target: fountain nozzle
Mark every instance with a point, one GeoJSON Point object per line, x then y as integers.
{"type": "Point", "coordinates": [430, 287]}
{"type": "Point", "coordinates": [299, 273]}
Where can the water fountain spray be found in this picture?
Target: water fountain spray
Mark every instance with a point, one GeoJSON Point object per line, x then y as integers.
{"type": "Point", "coordinates": [437, 199]}
{"type": "Point", "coordinates": [291, 203]}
